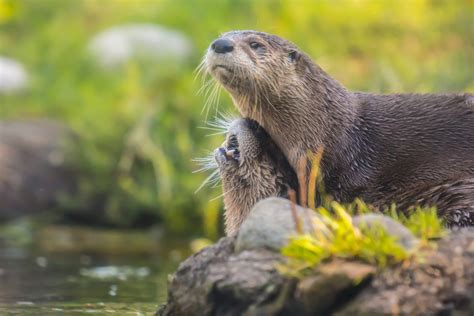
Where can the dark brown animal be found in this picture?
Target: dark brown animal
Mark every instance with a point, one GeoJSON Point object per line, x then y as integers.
{"type": "Point", "coordinates": [405, 148]}
{"type": "Point", "coordinates": [251, 168]}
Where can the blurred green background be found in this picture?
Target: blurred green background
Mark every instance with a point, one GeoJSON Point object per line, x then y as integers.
{"type": "Point", "coordinates": [138, 124]}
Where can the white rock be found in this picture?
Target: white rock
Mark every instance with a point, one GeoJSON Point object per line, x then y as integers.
{"type": "Point", "coordinates": [117, 45]}
{"type": "Point", "coordinates": [13, 76]}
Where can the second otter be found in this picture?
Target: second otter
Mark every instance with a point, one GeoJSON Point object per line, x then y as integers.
{"type": "Point", "coordinates": [383, 148]}
{"type": "Point", "coordinates": [251, 168]}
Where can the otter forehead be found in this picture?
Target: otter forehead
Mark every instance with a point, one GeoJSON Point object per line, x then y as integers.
{"type": "Point", "coordinates": [273, 40]}
{"type": "Point", "coordinates": [243, 125]}
{"type": "Point", "coordinates": [247, 36]}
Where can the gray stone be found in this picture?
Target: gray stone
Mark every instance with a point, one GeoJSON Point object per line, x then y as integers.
{"type": "Point", "coordinates": [13, 76]}
{"type": "Point", "coordinates": [33, 172]}
{"type": "Point", "coordinates": [394, 228]}
{"type": "Point", "coordinates": [218, 281]}
{"type": "Point", "coordinates": [117, 45]}
{"type": "Point", "coordinates": [271, 223]}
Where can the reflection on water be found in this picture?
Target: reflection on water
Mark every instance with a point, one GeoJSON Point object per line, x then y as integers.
{"type": "Point", "coordinates": [34, 282]}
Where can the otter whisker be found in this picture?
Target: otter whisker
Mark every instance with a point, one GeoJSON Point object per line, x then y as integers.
{"type": "Point", "coordinates": [212, 128]}
{"type": "Point", "coordinates": [211, 98]}
{"type": "Point", "coordinates": [216, 103]}
{"type": "Point", "coordinates": [214, 134]}
{"type": "Point", "coordinates": [223, 122]}
{"type": "Point", "coordinates": [201, 70]}
{"type": "Point", "coordinates": [206, 161]}
{"type": "Point", "coordinates": [208, 180]}
{"type": "Point", "coordinates": [224, 193]}
{"type": "Point", "coordinates": [205, 86]}
{"type": "Point", "coordinates": [215, 97]}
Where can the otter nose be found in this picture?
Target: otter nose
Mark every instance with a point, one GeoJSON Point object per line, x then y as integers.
{"type": "Point", "coordinates": [222, 46]}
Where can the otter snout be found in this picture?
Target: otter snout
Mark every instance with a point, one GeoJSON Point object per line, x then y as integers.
{"type": "Point", "coordinates": [222, 46]}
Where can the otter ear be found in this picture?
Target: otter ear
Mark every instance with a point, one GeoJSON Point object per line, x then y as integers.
{"type": "Point", "coordinates": [293, 56]}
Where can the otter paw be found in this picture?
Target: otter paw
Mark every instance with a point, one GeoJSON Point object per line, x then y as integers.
{"type": "Point", "coordinates": [228, 152]}
{"type": "Point", "coordinates": [223, 155]}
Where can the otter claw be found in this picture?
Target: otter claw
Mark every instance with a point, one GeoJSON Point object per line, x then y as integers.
{"type": "Point", "coordinates": [220, 155]}
{"type": "Point", "coordinates": [230, 153]}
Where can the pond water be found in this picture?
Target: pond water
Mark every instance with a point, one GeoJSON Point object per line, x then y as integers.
{"type": "Point", "coordinates": [38, 282]}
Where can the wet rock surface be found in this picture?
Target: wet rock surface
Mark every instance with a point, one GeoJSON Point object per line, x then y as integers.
{"type": "Point", "coordinates": [219, 280]}
{"type": "Point", "coordinates": [33, 171]}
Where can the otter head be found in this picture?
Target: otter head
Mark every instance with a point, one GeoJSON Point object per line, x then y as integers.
{"type": "Point", "coordinates": [256, 68]}
{"type": "Point", "coordinates": [272, 82]}
{"type": "Point", "coordinates": [251, 168]}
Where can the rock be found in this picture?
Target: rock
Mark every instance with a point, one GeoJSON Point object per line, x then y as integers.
{"type": "Point", "coordinates": [13, 77]}
{"type": "Point", "coordinates": [118, 45]}
{"type": "Point", "coordinates": [440, 284]}
{"type": "Point", "coordinates": [270, 224]}
{"type": "Point", "coordinates": [333, 283]}
{"type": "Point", "coordinates": [394, 228]}
{"type": "Point", "coordinates": [216, 281]}
{"type": "Point", "coordinates": [33, 173]}
{"type": "Point", "coordinates": [219, 281]}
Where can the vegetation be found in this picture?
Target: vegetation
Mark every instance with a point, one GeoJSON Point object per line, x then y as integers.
{"type": "Point", "coordinates": [335, 236]}
{"type": "Point", "coordinates": [424, 223]}
{"type": "Point", "coordinates": [139, 125]}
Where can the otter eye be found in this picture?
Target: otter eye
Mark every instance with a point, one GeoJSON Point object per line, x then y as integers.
{"type": "Point", "coordinates": [293, 56]}
{"type": "Point", "coordinates": [233, 142]}
{"type": "Point", "coordinates": [255, 45]}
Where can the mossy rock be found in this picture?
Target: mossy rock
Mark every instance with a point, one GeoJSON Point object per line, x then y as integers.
{"type": "Point", "coordinates": [219, 280]}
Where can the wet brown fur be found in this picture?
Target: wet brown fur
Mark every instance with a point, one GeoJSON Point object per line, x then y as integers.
{"type": "Point", "coordinates": [404, 148]}
{"type": "Point", "coordinates": [260, 172]}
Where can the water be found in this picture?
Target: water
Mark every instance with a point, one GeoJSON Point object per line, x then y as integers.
{"type": "Point", "coordinates": [38, 282]}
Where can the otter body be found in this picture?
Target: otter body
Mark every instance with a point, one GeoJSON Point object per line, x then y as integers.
{"type": "Point", "coordinates": [412, 149]}
{"type": "Point", "coordinates": [401, 147]}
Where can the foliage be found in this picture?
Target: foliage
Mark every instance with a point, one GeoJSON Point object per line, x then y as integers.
{"type": "Point", "coordinates": [139, 125]}
{"type": "Point", "coordinates": [422, 222]}
{"type": "Point", "coordinates": [335, 236]}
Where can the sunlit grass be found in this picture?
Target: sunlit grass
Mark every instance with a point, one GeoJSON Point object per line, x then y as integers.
{"type": "Point", "coordinates": [335, 236]}
{"type": "Point", "coordinates": [423, 222]}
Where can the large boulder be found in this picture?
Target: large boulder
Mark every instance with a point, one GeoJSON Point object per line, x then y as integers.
{"type": "Point", "coordinates": [33, 170]}
{"type": "Point", "coordinates": [238, 276]}
{"type": "Point", "coordinates": [120, 44]}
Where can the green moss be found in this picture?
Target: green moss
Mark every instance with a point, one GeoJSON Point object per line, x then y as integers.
{"type": "Point", "coordinates": [424, 223]}
{"type": "Point", "coordinates": [334, 236]}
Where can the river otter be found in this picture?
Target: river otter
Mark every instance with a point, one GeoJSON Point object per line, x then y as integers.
{"type": "Point", "coordinates": [405, 148]}
{"type": "Point", "coordinates": [251, 168]}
